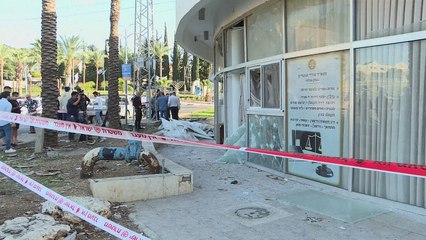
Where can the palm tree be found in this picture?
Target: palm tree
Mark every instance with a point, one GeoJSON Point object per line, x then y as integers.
{"type": "Point", "coordinates": [85, 59]}
{"type": "Point", "coordinates": [35, 52]}
{"type": "Point", "coordinates": [160, 49]}
{"type": "Point", "coordinates": [19, 58]}
{"type": "Point", "coordinates": [4, 54]}
{"type": "Point", "coordinates": [164, 83]}
{"type": "Point", "coordinates": [49, 66]}
{"type": "Point", "coordinates": [97, 58]}
{"type": "Point", "coordinates": [114, 66]}
{"type": "Point", "coordinates": [70, 46]}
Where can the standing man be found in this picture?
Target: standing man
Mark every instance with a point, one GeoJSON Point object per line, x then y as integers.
{"type": "Point", "coordinates": [63, 100]}
{"type": "Point", "coordinates": [162, 103]}
{"type": "Point", "coordinates": [16, 108]}
{"type": "Point", "coordinates": [5, 130]}
{"type": "Point", "coordinates": [137, 105]}
{"type": "Point", "coordinates": [32, 106]}
{"type": "Point", "coordinates": [73, 109]}
{"type": "Point", "coordinates": [174, 105]}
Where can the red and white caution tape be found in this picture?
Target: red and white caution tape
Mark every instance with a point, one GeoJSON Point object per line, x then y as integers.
{"type": "Point", "coordinates": [408, 169]}
{"type": "Point", "coordinates": [123, 233]}
{"type": "Point", "coordinates": [70, 206]}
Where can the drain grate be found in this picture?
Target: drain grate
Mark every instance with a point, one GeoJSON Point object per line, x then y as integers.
{"type": "Point", "coordinates": [252, 212]}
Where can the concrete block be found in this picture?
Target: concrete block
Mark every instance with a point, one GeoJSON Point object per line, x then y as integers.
{"type": "Point", "coordinates": [177, 181]}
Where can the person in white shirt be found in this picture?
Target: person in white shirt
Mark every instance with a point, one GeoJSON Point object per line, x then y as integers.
{"type": "Point", "coordinates": [63, 100]}
{"type": "Point", "coordinates": [5, 128]}
{"type": "Point", "coordinates": [174, 105]}
{"type": "Point", "coordinates": [97, 106]}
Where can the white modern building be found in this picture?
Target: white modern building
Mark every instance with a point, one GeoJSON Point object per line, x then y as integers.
{"type": "Point", "coordinates": [331, 77]}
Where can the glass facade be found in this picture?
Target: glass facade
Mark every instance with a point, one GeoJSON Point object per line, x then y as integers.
{"type": "Point", "coordinates": [265, 132]}
{"type": "Point", "coordinates": [390, 118]}
{"type": "Point", "coordinates": [316, 23]}
{"type": "Point", "coordinates": [385, 18]}
{"type": "Point", "coordinates": [271, 85]}
{"type": "Point", "coordinates": [265, 31]}
{"type": "Point", "coordinates": [369, 96]}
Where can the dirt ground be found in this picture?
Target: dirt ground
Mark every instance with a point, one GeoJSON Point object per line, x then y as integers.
{"type": "Point", "coordinates": [59, 169]}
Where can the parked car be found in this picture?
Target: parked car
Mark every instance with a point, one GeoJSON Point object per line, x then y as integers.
{"type": "Point", "coordinates": [122, 103]}
{"type": "Point", "coordinates": [24, 109]}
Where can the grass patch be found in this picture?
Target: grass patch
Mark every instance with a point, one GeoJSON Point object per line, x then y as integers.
{"type": "Point", "coordinates": [203, 113]}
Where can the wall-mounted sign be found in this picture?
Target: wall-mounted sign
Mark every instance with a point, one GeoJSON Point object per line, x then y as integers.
{"type": "Point", "coordinates": [314, 114]}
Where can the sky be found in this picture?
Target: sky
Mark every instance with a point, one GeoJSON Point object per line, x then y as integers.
{"type": "Point", "coordinates": [20, 20]}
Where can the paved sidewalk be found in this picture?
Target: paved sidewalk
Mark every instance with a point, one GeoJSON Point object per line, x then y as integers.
{"type": "Point", "coordinates": [210, 212]}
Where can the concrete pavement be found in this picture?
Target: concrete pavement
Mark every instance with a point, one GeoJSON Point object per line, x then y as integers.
{"type": "Point", "coordinates": [254, 208]}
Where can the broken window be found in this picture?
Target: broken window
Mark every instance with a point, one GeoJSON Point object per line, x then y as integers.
{"type": "Point", "coordinates": [265, 90]}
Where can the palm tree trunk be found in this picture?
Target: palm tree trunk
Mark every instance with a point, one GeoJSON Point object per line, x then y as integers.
{"type": "Point", "coordinates": [19, 74]}
{"type": "Point", "coordinates": [160, 59]}
{"type": "Point", "coordinates": [49, 67]}
{"type": "Point", "coordinates": [84, 73]}
{"type": "Point", "coordinates": [97, 77]}
{"type": "Point", "coordinates": [1, 75]}
{"type": "Point", "coordinates": [114, 67]}
{"type": "Point", "coordinates": [68, 73]}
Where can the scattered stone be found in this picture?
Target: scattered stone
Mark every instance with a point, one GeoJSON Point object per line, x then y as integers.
{"type": "Point", "coordinates": [98, 206]}
{"type": "Point", "coordinates": [72, 236]}
{"type": "Point", "coordinates": [117, 216]}
{"type": "Point", "coordinates": [313, 219]}
{"type": "Point", "coordinates": [38, 226]}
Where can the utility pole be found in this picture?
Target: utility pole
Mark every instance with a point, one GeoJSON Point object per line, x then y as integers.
{"type": "Point", "coordinates": [144, 32]}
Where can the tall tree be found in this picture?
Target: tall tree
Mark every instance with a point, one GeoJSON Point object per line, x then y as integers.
{"type": "Point", "coordinates": [19, 57]}
{"type": "Point", "coordinates": [4, 54]}
{"type": "Point", "coordinates": [97, 58]}
{"type": "Point", "coordinates": [114, 67]}
{"type": "Point", "coordinates": [166, 58]}
{"type": "Point", "coordinates": [205, 69]}
{"type": "Point", "coordinates": [49, 67]}
{"type": "Point", "coordinates": [176, 62]}
{"type": "Point", "coordinates": [70, 46]}
{"type": "Point", "coordinates": [184, 69]}
{"type": "Point", "coordinates": [159, 51]}
{"type": "Point", "coordinates": [35, 52]}
{"type": "Point", "coordinates": [195, 69]}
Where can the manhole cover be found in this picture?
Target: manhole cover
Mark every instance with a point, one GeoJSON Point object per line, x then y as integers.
{"type": "Point", "coordinates": [252, 212]}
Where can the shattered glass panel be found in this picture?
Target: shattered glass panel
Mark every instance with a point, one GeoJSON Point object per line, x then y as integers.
{"type": "Point", "coordinates": [265, 31]}
{"type": "Point", "coordinates": [266, 132]}
{"type": "Point", "coordinates": [255, 87]}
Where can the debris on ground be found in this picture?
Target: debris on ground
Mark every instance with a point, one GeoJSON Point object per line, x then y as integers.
{"type": "Point", "coordinates": [98, 206]}
{"type": "Point", "coordinates": [238, 138]}
{"type": "Point", "coordinates": [186, 130]}
{"type": "Point", "coordinates": [38, 226]}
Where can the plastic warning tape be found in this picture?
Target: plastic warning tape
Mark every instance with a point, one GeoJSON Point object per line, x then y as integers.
{"type": "Point", "coordinates": [401, 168]}
{"type": "Point", "coordinates": [70, 206]}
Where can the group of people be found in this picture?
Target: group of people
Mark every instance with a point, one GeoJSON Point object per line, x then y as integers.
{"type": "Point", "coordinates": [73, 108]}
{"type": "Point", "coordinates": [165, 105]}
{"type": "Point", "coordinates": [9, 103]}
{"type": "Point", "coordinates": [162, 106]}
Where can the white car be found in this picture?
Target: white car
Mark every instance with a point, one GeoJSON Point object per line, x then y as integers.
{"type": "Point", "coordinates": [24, 109]}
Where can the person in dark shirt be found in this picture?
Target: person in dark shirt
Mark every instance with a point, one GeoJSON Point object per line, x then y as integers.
{"type": "Point", "coordinates": [137, 105]}
{"type": "Point", "coordinates": [16, 108]}
{"type": "Point", "coordinates": [73, 110]}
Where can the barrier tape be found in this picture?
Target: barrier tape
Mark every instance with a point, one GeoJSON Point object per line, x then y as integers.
{"type": "Point", "coordinates": [70, 206]}
{"type": "Point", "coordinates": [408, 169]}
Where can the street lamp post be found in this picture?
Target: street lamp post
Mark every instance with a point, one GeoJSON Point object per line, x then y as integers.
{"type": "Point", "coordinates": [125, 80]}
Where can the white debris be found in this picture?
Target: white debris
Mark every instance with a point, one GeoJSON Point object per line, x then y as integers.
{"type": "Point", "coordinates": [186, 130]}
{"type": "Point", "coordinates": [98, 206]}
{"type": "Point", "coordinates": [37, 227]}
{"type": "Point", "coordinates": [238, 138]}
